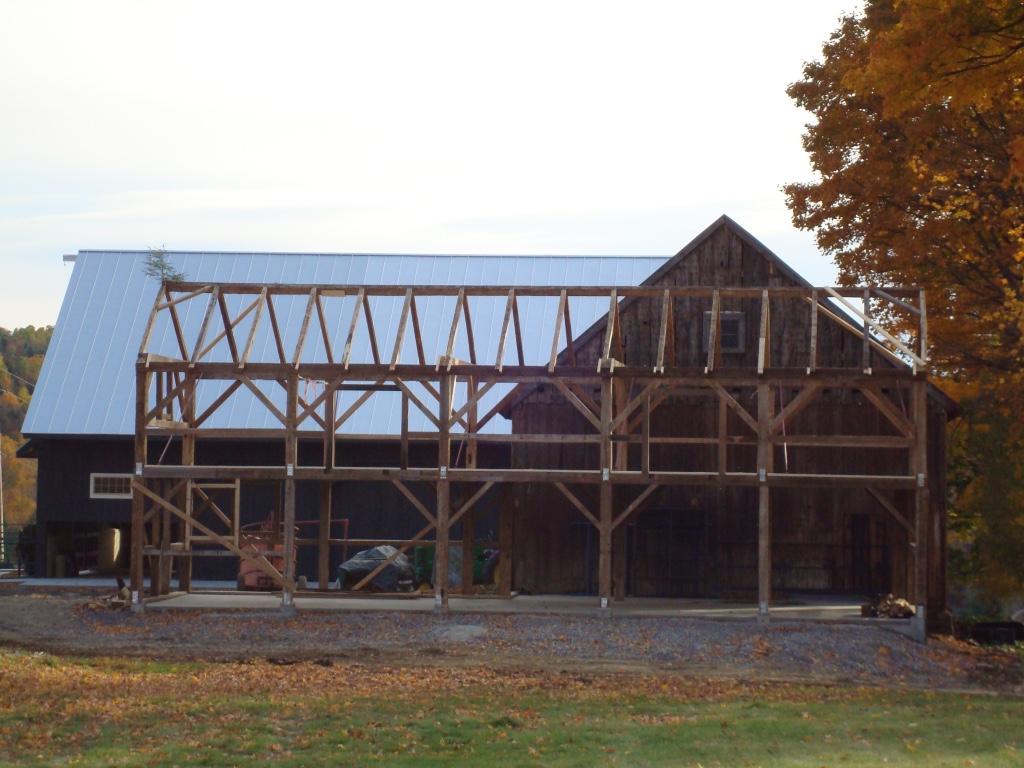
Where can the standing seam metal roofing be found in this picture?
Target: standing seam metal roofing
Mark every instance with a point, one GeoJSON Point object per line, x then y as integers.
{"type": "Point", "coordinates": [86, 386]}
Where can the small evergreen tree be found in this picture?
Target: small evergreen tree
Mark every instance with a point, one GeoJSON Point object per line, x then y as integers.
{"type": "Point", "coordinates": [158, 267]}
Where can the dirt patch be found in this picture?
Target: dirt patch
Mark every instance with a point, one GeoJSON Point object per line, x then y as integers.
{"type": "Point", "coordinates": [62, 623]}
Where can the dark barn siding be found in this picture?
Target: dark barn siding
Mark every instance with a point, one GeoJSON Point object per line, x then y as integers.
{"type": "Point", "coordinates": [374, 510]}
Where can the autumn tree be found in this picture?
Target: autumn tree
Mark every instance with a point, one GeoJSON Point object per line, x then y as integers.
{"type": "Point", "coordinates": [918, 147]}
{"type": "Point", "coordinates": [21, 358]}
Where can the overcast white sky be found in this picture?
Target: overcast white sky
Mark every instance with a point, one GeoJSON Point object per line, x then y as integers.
{"type": "Point", "coordinates": [417, 127]}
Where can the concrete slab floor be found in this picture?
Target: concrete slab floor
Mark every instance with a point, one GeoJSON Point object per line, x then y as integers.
{"type": "Point", "coordinates": [222, 596]}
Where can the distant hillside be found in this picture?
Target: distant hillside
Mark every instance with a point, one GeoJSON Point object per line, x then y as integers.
{"type": "Point", "coordinates": [21, 358]}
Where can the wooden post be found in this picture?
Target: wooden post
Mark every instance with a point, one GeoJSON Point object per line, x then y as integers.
{"type": "Point", "coordinates": [165, 562]}
{"type": "Point", "coordinates": [620, 461]}
{"type": "Point", "coordinates": [444, 454]}
{"type": "Point", "coordinates": [723, 435]}
{"type": "Point", "coordinates": [188, 458]}
{"type": "Point", "coordinates": [505, 541]}
{"type": "Point", "coordinates": [403, 461]}
{"type": "Point", "coordinates": [764, 521]}
{"type": "Point", "coordinates": [291, 455]}
{"type": "Point", "coordinates": [468, 534]}
{"type": "Point", "coordinates": [605, 528]}
{"type": "Point", "coordinates": [138, 500]}
{"type": "Point", "coordinates": [619, 561]}
{"type": "Point", "coordinates": [469, 519]}
{"type": "Point", "coordinates": [324, 544]}
{"type": "Point", "coordinates": [921, 505]}
{"type": "Point", "coordinates": [324, 540]}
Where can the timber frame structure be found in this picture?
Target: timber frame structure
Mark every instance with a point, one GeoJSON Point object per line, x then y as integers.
{"type": "Point", "coordinates": [177, 514]}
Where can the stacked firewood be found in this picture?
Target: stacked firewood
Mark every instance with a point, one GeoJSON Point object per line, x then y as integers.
{"type": "Point", "coordinates": [887, 606]}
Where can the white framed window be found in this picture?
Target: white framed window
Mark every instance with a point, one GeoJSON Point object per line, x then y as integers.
{"type": "Point", "coordinates": [110, 486]}
{"type": "Point", "coordinates": [732, 334]}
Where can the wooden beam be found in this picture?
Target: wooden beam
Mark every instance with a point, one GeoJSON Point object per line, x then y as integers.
{"type": "Point", "coordinates": [506, 536]}
{"type": "Point", "coordinates": [304, 328]}
{"type": "Point", "coordinates": [739, 409]}
{"type": "Point", "coordinates": [576, 402]}
{"type": "Point", "coordinates": [609, 328]}
{"type": "Point", "coordinates": [570, 348]}
{"type": "Point", "coordinates": [922, 331]}
{"type": "Point", "coordinates": [414, 501]}
{"type": "Point", "coordinates": [635, 505]}
{"type": "Point", "coordinates": [713, 340]}
{"type": "Point", "coordinates": [919, 393]}
{"type": "Point", "coordinates": [889, 507]}
{"type": "Point", "coordinates": [813, 358]}
{"type": "Point", "coordinates": [210, 306]}
{"type": "Point", "coordinates": [223, 398]}
{"type": "Point", "coordinates": [228, 328]}
{"type": "Point", "coordinates": [765, 338]}
{"type": "Point", "coordinates": [324, 539]}
{"type": "Point", "coordinates": [263, 399]}
{"type": "Point", "coordinates": [276, 329]}
{"type": "Point", "coordinates": [469, 329]}
{"type": "Point", "coordinates": [346, 355]}
{"type": "Point", "coordinates": [444, 455]}
{"type": "Point", "coordinates": [417, 402]}
{"type": "Point", "coordinates": [417, 333]}
{"type": "Point", "coordinates": [604, 560]}
{"type": "Point", "coordinates": [259, 561]}
{"type": "Point", "coordinates": [400, 336]}
{"type": "Point", "coordinates": [499, 359]}
{"type": "Point", "coordinates": [886, 407]}
{"type": "Point", "coordinates": [663, 331]}
{"type": "Point", "coordinates": [765, 464]}
{"type": "Point", "coordinates": [453, 333]}
{"type": "Point", "coordinates": [518, 330]}
{"type": "Point", "coordinates": [291, 460]}
{"type": "Point", "coordinates": [392, 557]}
{"type": "Point", "coordinates": [577, 503]}
{"type": "Point", "coordinates": [869, 323]}
{"type": "Point", "coordinates": [795, 407]}
{"type": "Point", "coordinates": [562, 303]}
{"type": "Point", "coordinates": [260, 304]}
{"type": "Point", "coordinates": [142, 379]}
{"type": "Point", "coordinates": [866, 330]}
{"type": "Point", "coordinates": [370, 329]}
{"type": "Point", "coordinates": [363, 397]}
{"type": "Point", "coordinates": [468, 505]}
{"type": "Point", "coordinates": [323, 328]}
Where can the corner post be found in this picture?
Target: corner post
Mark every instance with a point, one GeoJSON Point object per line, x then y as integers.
{"type": "Point", "coordinates": [921, 507]}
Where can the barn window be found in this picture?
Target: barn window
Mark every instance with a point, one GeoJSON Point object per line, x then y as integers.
{"type": "Point", "coordinates": [731, 332]}
{"type": "Point", "coordinates": [105, 486]}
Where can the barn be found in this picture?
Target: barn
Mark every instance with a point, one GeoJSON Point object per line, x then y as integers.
{"type": "Point", "coordinates": [704, 425]}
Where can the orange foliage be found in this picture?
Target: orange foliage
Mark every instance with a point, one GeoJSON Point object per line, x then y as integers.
{"type": "Point", "coordinates": [918, 143]}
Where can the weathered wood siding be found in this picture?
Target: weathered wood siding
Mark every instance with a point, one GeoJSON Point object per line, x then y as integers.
{"type": "Point", "coordinates": [703, 540]}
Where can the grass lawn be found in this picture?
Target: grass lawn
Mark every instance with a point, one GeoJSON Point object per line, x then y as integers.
{"type": "Point", "coordinates": [56, 710]}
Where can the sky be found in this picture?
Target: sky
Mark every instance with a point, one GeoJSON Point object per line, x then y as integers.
{"type": "Point", "coordinates": [395, 127]}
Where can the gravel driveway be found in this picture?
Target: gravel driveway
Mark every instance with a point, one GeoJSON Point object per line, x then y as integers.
{"type": "Point", "coordinates": [811, 652]}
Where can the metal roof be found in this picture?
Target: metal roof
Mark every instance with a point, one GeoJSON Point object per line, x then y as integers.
{"type": "Point", "coordinates": [87, 382]}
